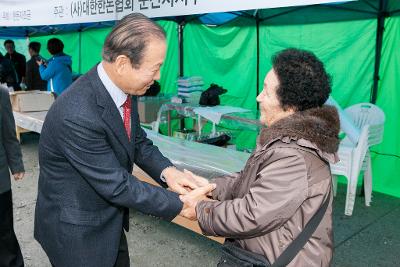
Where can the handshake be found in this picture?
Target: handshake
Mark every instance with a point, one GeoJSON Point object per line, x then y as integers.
{"type": "Point", "coordinates": [191, 189]}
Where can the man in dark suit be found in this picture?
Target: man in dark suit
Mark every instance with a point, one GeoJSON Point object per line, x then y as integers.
{"type": "Point", "coordinates": [10, 157]}
{"type": "Point", "coordinates": [90, 140]}
{"type": "Point", "coordinates": [33, 80]}
{"type": "Point", "coordinates": [18, 60]}
{"type": "Point", "coordinates": [8, 75]}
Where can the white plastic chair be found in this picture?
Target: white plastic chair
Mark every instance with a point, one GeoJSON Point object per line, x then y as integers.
{"type": "Point", "coordinates": [367, 113]}
{"type": "Point", "coordinates": [351, 159]}
{"type": "Point", "coordinates": [354, 159]}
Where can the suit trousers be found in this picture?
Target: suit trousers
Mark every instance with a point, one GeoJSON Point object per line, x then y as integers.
{"type": "Point", "coordinates": [123, 252]}
{"type": "Point", "coordinates": [10, 252]}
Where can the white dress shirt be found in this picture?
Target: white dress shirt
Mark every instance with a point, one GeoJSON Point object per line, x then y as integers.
{"type": "Point", "coordinates": [117, 95]}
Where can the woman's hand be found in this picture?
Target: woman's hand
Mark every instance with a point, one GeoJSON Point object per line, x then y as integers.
{"type": "Point", "coordinates": [191, 199]}
{"type": "Point", "coordinates": [201, 181]}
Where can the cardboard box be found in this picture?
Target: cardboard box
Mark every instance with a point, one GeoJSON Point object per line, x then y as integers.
{"type": "Point", "coordinates": [148, 107]}
{"type": "Point", "coordinates": [27, 101]}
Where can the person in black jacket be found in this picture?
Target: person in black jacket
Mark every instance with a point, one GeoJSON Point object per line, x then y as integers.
{"type": "Point", "coordinates": [7, 73]}
{"type": "Point", "coordinates": [18, 60]}
{"type": "Point", "coordinates": [10, 158]}
{"type": "Point", "coordinates": [33, 80]}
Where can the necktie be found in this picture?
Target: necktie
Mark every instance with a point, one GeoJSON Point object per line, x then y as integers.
{"type": "Point", "coordinates": [127, 106]}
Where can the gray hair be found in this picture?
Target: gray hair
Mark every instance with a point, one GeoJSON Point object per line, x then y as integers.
{"type": "Point", "coordinates": [130, 37]}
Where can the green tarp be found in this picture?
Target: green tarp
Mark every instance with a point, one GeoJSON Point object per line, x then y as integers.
{"type": "Point", "coordinates": [386, 165]}
{"type": "Point", "coordinates": [336, 44]}
{"type": "Point", "coordinates": [20, 46]}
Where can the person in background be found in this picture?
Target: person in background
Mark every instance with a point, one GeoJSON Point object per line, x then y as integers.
{"type": "Point", "coordinates": [19, 62]}
{"type": "Point", "coordinates": [8, 75]}
{"type": "Point", "coordinates": [285, 181]}
{"type": "Point", "coordinates": [57, 71]}
{"type": "Point", "coordinates": [33, 80]}
{"type": "Point", "coordinates": [10, 159]}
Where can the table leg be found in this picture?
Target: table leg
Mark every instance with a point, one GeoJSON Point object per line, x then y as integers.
{"type": "Point", "coordinates": [19, 131]}
{"type": "Point", "coordinates": [169, 123]}
{"type": "Point", "coordinates": [18, 134]}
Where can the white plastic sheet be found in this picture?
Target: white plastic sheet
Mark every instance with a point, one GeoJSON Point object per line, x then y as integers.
{"type": "Point", "coordinates": [240, 119]}
{"type": "Point", "coordinates": [205, 160]}
{"type": "Point", "coordinates": [214, 114]}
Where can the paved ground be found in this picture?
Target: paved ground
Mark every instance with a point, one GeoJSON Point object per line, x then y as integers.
{"type": "Point", "coordinates": [371, 237]}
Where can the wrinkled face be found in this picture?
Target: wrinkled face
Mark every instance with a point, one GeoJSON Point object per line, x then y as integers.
{"type": "Point", "coordinates": [10, 48]}
{"type": "Point", "coordinates": [136, 81]}
{"type": "Point", "coordinates": [270, 107]}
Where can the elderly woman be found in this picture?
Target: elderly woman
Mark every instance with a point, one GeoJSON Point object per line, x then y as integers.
{"type": "Point", "coordinates": [287, 178]}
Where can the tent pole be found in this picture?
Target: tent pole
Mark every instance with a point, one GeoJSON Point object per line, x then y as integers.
{"type": "Point", "coordinates": [382, 14]}
{"type": "Point", "coordinates": [80, 49]}
{"type": "Point", "coordinates": [258, 58]}
{"type": "Point", "coordinates": [181, 26]}
{"type": "Point", "coordinates": [378, 51]}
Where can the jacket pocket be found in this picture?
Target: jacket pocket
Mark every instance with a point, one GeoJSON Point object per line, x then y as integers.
{"type": "Point", "coordinates": [81, 217]}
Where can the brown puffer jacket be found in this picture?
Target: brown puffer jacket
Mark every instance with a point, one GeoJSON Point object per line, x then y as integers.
{"type": "Point", "coordinates": [285, 181]}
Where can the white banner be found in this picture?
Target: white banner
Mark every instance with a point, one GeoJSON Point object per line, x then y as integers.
{"type": "Point", "coordinates": [51, 12]}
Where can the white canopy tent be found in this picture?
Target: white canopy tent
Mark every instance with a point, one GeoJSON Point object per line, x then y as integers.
{"type": "Point", "coordinates": [53, 12]}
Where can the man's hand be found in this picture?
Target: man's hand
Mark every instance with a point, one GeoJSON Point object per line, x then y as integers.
{"type": "Point", "coordinates": [40, 61]}
{"type": "Point", "coordinates": [178, 181]}
{"type": "Point", "coordinates": [18, 175]}
{"type": "Point", "coordinates": [200, 181]}
{"type": "Point", "coordinates": [182, 182]}
{"type": "Point", "coordinates": [191, 199]}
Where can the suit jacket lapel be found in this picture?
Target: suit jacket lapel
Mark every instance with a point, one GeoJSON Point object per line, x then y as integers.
{"type": "Point", "coordinates": [111, 115]}
{"type": "Point", "coordinates": [113, 119]}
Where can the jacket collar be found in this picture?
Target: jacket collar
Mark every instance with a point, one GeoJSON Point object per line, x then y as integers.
{"type": "Point", "coordinates": [117, 95]}
{"type": "Point", "coordinates": [316, 128]}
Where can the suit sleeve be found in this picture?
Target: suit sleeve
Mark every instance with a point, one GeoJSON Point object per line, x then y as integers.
{"type": "Point", "coordinates": [147, 156]}
{"type": "Point", "coordinates": [10, 141]}
{"type": "Point", "coordinates": [86, 148]}
{"type": "Point", "coordinates": [273, 198]}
